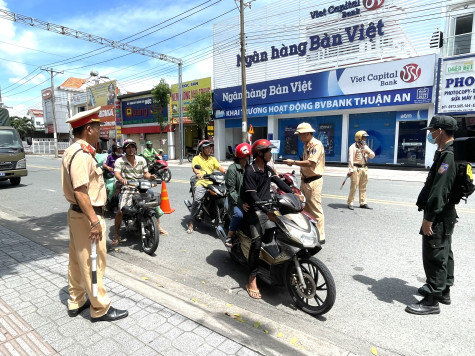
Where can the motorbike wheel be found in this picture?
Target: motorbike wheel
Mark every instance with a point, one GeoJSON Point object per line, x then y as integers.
{"type": "Point", "coordinates": [190, 158]}
{"type": "Point", "coordinates": [319, 295]}
{"type": "Point", "coordinates": [152, 235]}
{"type": "Point", "coordinates": [166, 175]}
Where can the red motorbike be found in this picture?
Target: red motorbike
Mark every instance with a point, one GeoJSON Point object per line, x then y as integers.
{"type": "Point", "coordinates": [159, 168]}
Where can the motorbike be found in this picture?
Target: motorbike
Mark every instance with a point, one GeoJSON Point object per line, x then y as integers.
{"type": "Point", "coordinates": [212, 210]}
{"type": "Point", "coordinates": [110, 183]}
{"type": "Point", "coordinates": [140, 216]}
{"type": "Point", "coordinates": [288, 254]}
{"type": "Point", "coordinates": [160, 169]}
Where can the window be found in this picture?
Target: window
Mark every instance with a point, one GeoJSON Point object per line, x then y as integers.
{"type": "Point", "coordinates": [463, 34]}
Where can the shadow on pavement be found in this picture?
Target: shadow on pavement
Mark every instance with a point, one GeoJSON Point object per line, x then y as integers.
{"type": "Point", "coordinates": [337, 206]}
{"type": "Point", "coordinates": [389, 290]}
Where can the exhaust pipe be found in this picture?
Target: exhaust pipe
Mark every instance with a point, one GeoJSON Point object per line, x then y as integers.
{"type": "Point", "coordinates": [221, 233]}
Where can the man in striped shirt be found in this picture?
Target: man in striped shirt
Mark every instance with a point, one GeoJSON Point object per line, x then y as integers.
{"type": "Point", "coordinates": [129, 167]}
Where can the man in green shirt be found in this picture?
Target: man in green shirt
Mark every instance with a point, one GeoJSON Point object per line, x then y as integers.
{"type": "Point", "coordinates": [149, 152]}
{"type": "Point", "coordinates": [439, 219]}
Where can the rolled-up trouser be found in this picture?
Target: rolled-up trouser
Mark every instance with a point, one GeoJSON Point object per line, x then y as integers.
{"type": "Point", "coordinates": [199, 193]}
{"type": "Point", "coordinates": [257, 220]}
{"type": "Point", "coordinates": [438, 257]}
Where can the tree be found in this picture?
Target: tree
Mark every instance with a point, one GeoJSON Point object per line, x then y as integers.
{"type": "Point", "coordinates": [24, 125]}
{"type": "Point", "coordinates": [161, 98]}
{"type": "Point", "coordinates": [199, 111]}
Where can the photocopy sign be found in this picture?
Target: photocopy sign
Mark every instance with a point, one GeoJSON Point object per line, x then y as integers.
{"type": "Point", "coordinates": [457, 86]}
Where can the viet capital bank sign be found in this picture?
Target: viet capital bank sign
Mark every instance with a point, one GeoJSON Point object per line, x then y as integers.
{"type": "Point", "coordinates": [354, 33]}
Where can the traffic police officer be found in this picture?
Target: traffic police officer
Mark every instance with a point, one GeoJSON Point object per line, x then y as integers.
{"type": "Point", "coordinates": [311, 172]}
{"type": "Point", "coordinates": [358, 155]}
{"type": "Point", "coordinates": [83, 187]}
{"type": "Point", "coordinates": [439, 219]}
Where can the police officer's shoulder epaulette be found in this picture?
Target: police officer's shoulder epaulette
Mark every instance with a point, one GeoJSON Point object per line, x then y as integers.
{"type": "Point", "coordinates": [87, 148]}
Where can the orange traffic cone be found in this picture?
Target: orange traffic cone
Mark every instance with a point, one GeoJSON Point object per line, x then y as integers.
{"type": "Point", "coordinates": [165, 203]}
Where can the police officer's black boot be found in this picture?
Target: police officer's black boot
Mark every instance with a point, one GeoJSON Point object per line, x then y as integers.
{"type": "Point", "coordinates": [428, 305]}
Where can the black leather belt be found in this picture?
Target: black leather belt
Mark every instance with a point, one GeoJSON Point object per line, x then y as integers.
{"type": "Point", "coordinates": [359, 165]}
{"type": "Point", "coordinates": [311, 179]}
{"type": "Point", "coordinates": [99, 210]}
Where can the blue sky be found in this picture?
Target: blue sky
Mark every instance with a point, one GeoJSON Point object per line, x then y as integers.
{"type": "Point", "coordinates": [24, 49]}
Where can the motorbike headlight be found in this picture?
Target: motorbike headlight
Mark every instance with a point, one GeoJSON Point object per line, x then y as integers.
{"type": "Point", "coordinates": [145, 185]}
{"type": "Point", "coordinates": [21, 164]}
{"type": "Point", "coordinates": [308, 238]}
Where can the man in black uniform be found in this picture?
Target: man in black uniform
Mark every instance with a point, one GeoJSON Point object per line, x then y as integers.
{"type": "Point", "coordinates": [439, 219]}
{"type": "Point", "coordinates": [257, 179]}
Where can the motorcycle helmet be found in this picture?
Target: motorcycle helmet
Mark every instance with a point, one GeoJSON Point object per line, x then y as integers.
{"type": "Point", "coordinates": [359, 135]}
{"type": "Point", "coordinates": [203, 144]}
{"type": "Point", "coordinates": [129, 142]}
{"type": "Point", "coordinates": [243, 150]}
{"type": "Point", "coordinates": [260, 145]}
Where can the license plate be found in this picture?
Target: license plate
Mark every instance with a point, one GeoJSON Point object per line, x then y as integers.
{"type": "Point", "coordinates": [2, 174]}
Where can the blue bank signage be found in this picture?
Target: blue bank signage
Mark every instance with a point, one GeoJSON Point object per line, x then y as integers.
{"type": "Point", "coordinates": [401, 82]}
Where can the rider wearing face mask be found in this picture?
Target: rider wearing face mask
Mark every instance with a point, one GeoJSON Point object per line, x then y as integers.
{"type": "Point", "coordinates": [439, 219]}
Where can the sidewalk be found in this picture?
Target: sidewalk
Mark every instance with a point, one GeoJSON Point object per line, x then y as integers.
{"type": "Point", "coordinates": [34, 319]}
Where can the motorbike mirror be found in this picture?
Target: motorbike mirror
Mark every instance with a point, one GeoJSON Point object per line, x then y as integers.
{"type": "Point", "coordinates": [197, 166]}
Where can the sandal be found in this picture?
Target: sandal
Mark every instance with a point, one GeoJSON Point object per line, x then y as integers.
{"type": "Point", "coordinates": [189, 230]}
{"type": "Point", "coordinates": [253, 293]}
{"type": "Point", "coordinates": [116, 241]}
{"type": "Point", "coordinates": [229, 242]}
{"type": "Point", "coordinates": [162, 232]}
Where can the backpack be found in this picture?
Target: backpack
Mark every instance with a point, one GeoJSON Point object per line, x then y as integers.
{"type": "Point", "coordinates": [463, 185]}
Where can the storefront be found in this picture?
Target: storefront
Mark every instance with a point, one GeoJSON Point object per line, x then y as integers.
{"type": "Point", "coordinates": [388, 100]}
{"type": "Point", "coordinates": [138, 122]}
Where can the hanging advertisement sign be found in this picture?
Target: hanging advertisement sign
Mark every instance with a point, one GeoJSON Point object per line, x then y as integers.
{"type": "Point", "coordinates": [456, 87]}
{"type": "Point", "coordinates": [190, 89]}
{"type": "Point", "coordinates": [103, 95]}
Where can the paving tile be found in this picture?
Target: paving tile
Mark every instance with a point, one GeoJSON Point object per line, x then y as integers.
{"type": "Point", "coordinates": [215, 339]}
{"type": "Point", "coordinates": [188, 342]}
{"type": "Point", "coordinates": [160, 344]}
{"type": "Point", "coordinates": [152, 321]}
{"type": "Point", "coordinates": [230, 347]}
{"type": "Point", "coordinates": [188, 325]}
{"type": "Point", "coordinates": [146, 351]}
{"type": "Point", "coordinates": [204, 350]}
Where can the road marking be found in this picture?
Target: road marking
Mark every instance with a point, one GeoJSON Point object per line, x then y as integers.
{"type": "Point", "coordinates": [43, 167]}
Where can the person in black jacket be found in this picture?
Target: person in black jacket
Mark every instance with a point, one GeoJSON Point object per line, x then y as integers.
{"type": "Point", "coordinates": [257, 179]}
{"type": "Point", "coordinates": [439, 219]}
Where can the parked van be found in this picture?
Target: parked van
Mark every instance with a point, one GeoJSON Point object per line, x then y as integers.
{"type": "Point", "coordinates": [12, 155]}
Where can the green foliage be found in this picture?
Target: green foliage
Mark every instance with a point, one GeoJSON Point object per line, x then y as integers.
{"type": "Point", "coordinates": [24, 125]}
{"type": "Point", "coordinates": [199, 110]}
{"type": "Point", "coordinates": [161, 98]}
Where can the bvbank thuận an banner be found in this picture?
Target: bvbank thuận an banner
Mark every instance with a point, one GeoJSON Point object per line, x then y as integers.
{"type": "Point", "coordinates": [405, 75]}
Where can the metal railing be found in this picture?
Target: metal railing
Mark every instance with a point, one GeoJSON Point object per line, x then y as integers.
{"type": "Point", "coordinates": [45, 147]}
{"type": "Point", "coordinates": [459, 44]}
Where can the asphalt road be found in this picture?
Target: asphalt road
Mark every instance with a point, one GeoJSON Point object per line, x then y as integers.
{"type": "Point", "coordinates": [374, 256]}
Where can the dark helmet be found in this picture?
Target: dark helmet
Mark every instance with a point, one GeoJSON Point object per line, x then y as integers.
{"type": "Point", "coordinates": [203, 144]}
{"type": "Point", "coordinates": [115, 147]}
{"type": "Point", "coordinates": [243, 150]}
{"type": "Point", "coordinates": [129, 142]}
{"type": "Point", "coordinates": [260, 145]}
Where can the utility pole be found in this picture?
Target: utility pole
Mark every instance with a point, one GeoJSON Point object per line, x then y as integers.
{"type": "Point", "coordinates": [243, 73]}
{"type": "Point", "coordinates": [55, 135]}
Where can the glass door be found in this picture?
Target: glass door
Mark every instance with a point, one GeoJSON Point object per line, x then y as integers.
{"type": "Point", "coordinates": [411, 143]}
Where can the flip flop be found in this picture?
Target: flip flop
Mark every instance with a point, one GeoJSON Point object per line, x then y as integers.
{"type": "Point", "coordinates": [229, 242]}
{"type": "Point", "coordinates": [163, 232]}
{"type": "Point", "coordinates": [189, 230]}
{"type": "Point", "coordinates": [253, 293]}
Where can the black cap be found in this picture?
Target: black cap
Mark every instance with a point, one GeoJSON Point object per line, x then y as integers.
{"type": "Point", "coordinates": [442, 122]}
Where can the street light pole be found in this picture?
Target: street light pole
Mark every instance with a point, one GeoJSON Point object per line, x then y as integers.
{"type": "Point", "coordinates": [55, 134]}
{"type": "Point", "coordinates": [243, 76]}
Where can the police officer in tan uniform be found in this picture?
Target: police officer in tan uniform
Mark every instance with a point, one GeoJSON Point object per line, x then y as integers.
{"type": "Point", "coordinates": [311, 172]}
{"type": "Point", "coordinates": [358, 155]}
{"type": "Point", "coordinates": [83, 187]}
